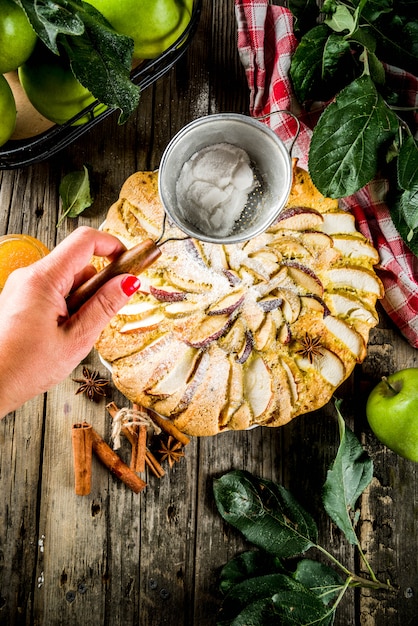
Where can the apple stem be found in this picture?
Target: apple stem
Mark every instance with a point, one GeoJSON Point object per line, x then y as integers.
{"type": "Point", "coordinates": [391, 387]}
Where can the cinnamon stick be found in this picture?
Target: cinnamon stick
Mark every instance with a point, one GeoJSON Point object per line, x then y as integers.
{"type": "Point", "coordinates": [155, 467]}
{"type": "Point", "coordinates": [168, 427]}
{"type": "Point", "coordinates": [110, 459]}
{"type": "Point", "coordinates": [82, 454]}
{"type": "Point", "coordinates": [138, 447]}
{"type": "Point", "coordinates": [137, 437]}
{"type": "Point", "coordinates": [113, 409]}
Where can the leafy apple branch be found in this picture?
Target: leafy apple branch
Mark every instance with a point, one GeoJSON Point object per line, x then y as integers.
{"type": "Point", "coordinates": [258, 587]}
{"type": "Point", "coordinates": [99, 57]}
{"type": "Point", "coordinates": [365, 129]}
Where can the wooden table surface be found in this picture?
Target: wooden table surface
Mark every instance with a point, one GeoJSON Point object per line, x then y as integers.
{"type": "Point", "coordinates": [150, 559]}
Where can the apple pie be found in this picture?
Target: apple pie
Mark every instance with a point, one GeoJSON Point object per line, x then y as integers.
{"type": "Point", "coordinates": [225, 337]}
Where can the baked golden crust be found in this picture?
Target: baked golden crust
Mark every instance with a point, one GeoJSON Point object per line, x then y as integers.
{"type": "Point", "coordinates": [226, 337]}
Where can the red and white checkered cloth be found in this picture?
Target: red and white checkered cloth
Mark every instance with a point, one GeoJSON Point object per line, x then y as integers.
{"type": "Point", "coordinates": [266, 43]}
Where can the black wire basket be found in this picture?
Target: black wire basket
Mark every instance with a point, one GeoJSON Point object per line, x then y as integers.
{"type": "Point", "coordinates": [22, 152]}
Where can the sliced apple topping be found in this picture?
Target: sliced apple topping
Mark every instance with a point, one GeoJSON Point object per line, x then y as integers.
{"type": "Point", "coordinates": [315, 240]}
{"type": "Point", "coordinates": [210, 329]}
{"type": "Point", "coordinates": [227, 304]}
{"type": "Point", "coordinates": [143, 324]}
{"type": "Point", "coordinates": [269, 303]}
{"type": "Point", "coordinates": [205, 401]}
{"type": "Point", "coordinates": [235, 392]}
{"type": "Point", "coordinates": [347, 335]}
{"type": "Point", "coordinates": [185, 283]}
{"type": "Point", "coordinates": [298, 218]}
{"type": "Point", "coordinates": [182, 309]}
{"type": "Point", "coordinates": [268, 260]}
{"type": "Point", "coordinates": [284, 333]}
{"type": "Point", "coordinates": [338, 222]}
{"type": "Point", "coordinates": [316, 304]}
{"type": "Point", "coordinates": [265, 335]}
{"type": "Point", "coordinates": [293, 385]}
{"type": "Point", "coordinates": [354, 247]}
{"type": "Point", "coordinates": [356, 279]}
{"type": "Point", "coordinates": [328, 364]}
{"type": "Point", "coordinates": [346, 306]}
{"type": "Point", "coordinates": [305, 278]}
{"type": "Point", "coordinates": [234, 338]}
{"type": "Point", "coordinates": [290, 247]}
{"type": "Point", "coordinates": [233, 277]}
{"type": "Point", "coordinates": [258, 386]}
{"type": "Point", "coordinates": [144, 367]}
{"type": "Point", "coordinates": [167, 293]}
{"type": "Point", "coordinates": [241, 419]}
{"type": "Point", "coordinates": [140, 308]}
{"type": "Point", "coordinates": [193, 383]}
{"type": "Point", "coordinates": [291, 305]}
{"type": "Point", "coordinates": [257, 243]}
{"type": "Point", "coordinates": [178, 376]}
{"type": "Point", "coordinates": [246, 348]}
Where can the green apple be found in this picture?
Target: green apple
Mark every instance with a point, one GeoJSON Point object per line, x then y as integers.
{"type": "Point", "coordinates": [392, 412]}
{"type": "Point", "coordinates": [17, 37]}
{"type": "Point", "coordinates": [7, 111]}
{"type": "Point", "coordinates": [52, 88]}
{"type": "Point", "coordinates": [153, 24]}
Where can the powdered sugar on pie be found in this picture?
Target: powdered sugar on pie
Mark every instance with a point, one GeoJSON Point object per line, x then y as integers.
{"type": "Point", "coordinates": [225, 337]}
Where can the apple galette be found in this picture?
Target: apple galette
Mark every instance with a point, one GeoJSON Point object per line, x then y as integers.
{"type": "Point", "coordinates": [225, 337]}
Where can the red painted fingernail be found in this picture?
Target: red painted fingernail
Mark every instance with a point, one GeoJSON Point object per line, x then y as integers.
{"type": "Point", "coordinates": [130, 284]}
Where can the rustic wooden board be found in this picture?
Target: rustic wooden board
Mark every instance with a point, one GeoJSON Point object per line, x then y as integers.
{"type": "Point", "coordinates": [116, 558]}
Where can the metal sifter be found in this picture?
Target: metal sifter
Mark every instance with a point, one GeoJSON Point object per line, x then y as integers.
{"type": "Point", "coordinates": [271, 164]}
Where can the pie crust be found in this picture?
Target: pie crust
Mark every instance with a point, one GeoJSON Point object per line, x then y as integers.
{"type": "Point", "coordinates": [256, 333]}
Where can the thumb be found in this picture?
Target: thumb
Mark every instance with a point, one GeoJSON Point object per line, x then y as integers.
{"type": "Point", "coordinates": [93, 316]}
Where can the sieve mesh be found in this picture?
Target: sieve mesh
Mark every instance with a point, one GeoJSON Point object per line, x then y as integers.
{"type": "Point", "coordinates": [270, 162]}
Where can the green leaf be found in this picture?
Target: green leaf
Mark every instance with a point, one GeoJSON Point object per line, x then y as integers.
{"type": "Point", "coordinates": [100, 58]}
{"type": "Point", "coordinates": [253, 589]}
{"type": "Point", "coordinates": [50, 18]}
{"type": "Point", "coordinates": [409, 209]}
{"type": "Point", "coordinates": [373, 9]}
{"type": "Point", "coordinates": [300, 608]}
{"type": "Point", "coordinates": [349, 475]}
{"type": "Point", "coordinates": [396, 207]}
{"type": "Point", "coordinates": [334, 49]}
{"type": "Point", "coordinates": [364, 37]}
{"type": "Point", "coordinates": [277, 598]}
{"type": "Point", "coordinates": [321, 579]}
{"type": "Point", "coordinates": [306, 63]}
{"type": "Point", "coordinates": [346, 142]}
{"type": "Point", "coordinates": [406, 203]}
{"type": "Point", "coordinates": [341, 20]}
{"type": "Point", "coordinates": [265, 513]}
{"type": "Point", "coordinates": [247, 565]}
{"type": "Point", "coordinates": [75, 195]}
{"type": "Point", "coordinates": [258, 613]}
{"type": "Point", "coordinates": [408, 164]}
{"type": "Point", "coordinates": [376, 69]}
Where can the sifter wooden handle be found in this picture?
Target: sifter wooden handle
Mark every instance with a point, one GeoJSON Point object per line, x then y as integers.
{"type": "Point", "coordinates": [133, 261]}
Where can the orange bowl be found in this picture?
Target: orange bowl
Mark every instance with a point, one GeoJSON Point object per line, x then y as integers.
{"type": "Point", "coordinates": [18, 251]}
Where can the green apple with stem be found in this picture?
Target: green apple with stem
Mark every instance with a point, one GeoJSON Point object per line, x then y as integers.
{"type": "Point", "coordinates": [392, 412]}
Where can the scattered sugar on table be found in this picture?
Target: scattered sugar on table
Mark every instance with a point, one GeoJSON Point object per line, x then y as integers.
{"type": "Point", "coordinates": [213, 188]}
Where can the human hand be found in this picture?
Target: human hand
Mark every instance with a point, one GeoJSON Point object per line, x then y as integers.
{"type": "Point", "coordinates": [40, 344]}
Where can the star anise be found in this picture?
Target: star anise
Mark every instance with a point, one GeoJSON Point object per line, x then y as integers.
{"type": "Point", "coordinates": [91, 384]}
{"type": "Point", "coordinates": [311, 347]}
{"type": "Point", "coordinates": [172, 451]}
